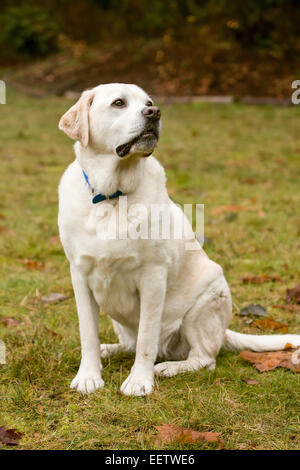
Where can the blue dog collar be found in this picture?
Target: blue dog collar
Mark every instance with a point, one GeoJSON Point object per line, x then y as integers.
{"type": "Point", "coordinates": [100, 197]}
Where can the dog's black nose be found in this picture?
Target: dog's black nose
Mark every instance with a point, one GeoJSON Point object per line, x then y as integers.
{"type": "Point", "coordinates": [151, 112]}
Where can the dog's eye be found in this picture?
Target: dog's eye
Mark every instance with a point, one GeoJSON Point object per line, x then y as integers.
{"type": "Point", "coordinates": [149, 103]}
{"type": "Point", "coordinates": [119, 103]}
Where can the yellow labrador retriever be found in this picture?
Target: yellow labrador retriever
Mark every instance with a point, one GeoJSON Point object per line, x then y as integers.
{"type": "Point", "coordinates": [165, 301]}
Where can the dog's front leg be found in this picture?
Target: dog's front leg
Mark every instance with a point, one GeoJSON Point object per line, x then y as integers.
{"type": "Point", "coordinates": [152, 298]}
{"type": "Point", "coordinates": [88, 377]}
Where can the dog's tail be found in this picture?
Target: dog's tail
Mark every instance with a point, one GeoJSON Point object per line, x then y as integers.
{"type": "Point", "coordinates": [238, 341]}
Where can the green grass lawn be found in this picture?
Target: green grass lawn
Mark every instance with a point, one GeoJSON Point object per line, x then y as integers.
{"type": "Point", "coordinates": [213, 154]}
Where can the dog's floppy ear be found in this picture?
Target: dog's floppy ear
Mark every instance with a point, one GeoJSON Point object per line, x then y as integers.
{"type": "Point", "coordinates": [75, 122]}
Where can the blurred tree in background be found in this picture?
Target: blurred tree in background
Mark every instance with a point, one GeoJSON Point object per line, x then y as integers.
{"type": "Point", "coordinates": [31, 27]}
{"type": "Point", "coordinates": [190, 34]}
{"type": "Point", "coordinates": [29, 30]}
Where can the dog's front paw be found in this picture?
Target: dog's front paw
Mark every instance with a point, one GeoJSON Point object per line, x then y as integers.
{"type": "Point", "coordinates": [87, 382]}
{"type": "Point", "coordinates": [137, 385]}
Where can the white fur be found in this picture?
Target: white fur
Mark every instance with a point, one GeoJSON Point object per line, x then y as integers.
{"type": "Point", "coordinates": [165, 301]}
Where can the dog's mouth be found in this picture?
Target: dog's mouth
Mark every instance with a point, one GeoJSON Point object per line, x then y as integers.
{"type": "Point", "coordinates": [144, 143]}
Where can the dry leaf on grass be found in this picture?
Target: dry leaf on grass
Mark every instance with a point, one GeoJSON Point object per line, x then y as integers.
{"type": "Point", "coordinates": [9, 437]}
{"type": "Point", "coordinates": [265, 361]}
{"type": "Point", "coordinates": [250, 181]}
{"type": "Point", "coordinates": [9, 321]}
{"type": "Point", "coordinates": [254, 309]}
{"type": "Point", "coordinates": [250, 381]}
{"type": "Point", "coordinates": [260, 279]}
{"type": "Point", "coordinates": [293, 295]}
{"type": "Point", "coordinates": [55, 240]}
{"type": "Point", "coordinates": [171, 433]}
{"type": "Point", "coordinates": [171, 191]}
{"type": "Point", "coordinates": [289, 308]}
{"type": "Point", "coordinates": [32, 264]}
{"type": "Point", "coordinates": [54, 297]}
{"type": "Point", "coordinates": [40, 408]}
{"type": "Point", "coordinates": [270, 324]}
{"type": "Point", "coordinates": [6, 231]}
{"type": "Point", "coordinates": [53, 333]}
{"type": "Point", "coordinates": [234, 209]}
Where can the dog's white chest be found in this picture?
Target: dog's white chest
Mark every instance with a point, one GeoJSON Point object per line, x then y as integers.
{"type": "Point", "coordinates": [113, 280]}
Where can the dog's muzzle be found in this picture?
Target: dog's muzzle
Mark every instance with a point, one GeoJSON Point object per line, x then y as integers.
{"type": "Point", "coordinates": [143, 143]}
{"type": "Point", "coordinates": [146, 141]}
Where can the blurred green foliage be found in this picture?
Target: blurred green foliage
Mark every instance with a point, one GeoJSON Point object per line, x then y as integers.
{"type": "Point", "coordinates": [29, 29]}
{"type": "Point", "coordinates": [31, 26]}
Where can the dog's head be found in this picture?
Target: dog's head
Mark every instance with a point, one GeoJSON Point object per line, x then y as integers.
{"type": "Point", "coordinates": [115, 118]}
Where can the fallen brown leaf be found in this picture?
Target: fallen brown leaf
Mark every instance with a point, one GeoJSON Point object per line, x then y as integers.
{"type": "Point", "coordinates": [171, 191]}
{"type": "Point", "coordinates": [54, 297]}
{"type": "Point", "coordinates": [55, 240]}
{"type": "Point", "coordinates": [7, 231]}
{"type": "Point", "coordinates": [53, 333]}
{"type": "Point", "coordinates": [40, 408]}
{"type": "Point", "coordinates": [259, 279]}
{"type": "Point", "coordinates": [270, 324]}
{"type": "Point", "coordinates": [293, 295]}
{"type": "Point", "coordinates": [265, 361]}
{"type": "Point", "coordinates": [232, 208]}
{"type": "Point", "coordinates": [168, 433]}
{"type": "Point", "coordinates": [250, 381]}
{"type": "Point", "coordinates": [10, 233]}
{"type": "Point", "coordinates": [237, 163]}
{"type": "Point", "coordinates": [10, 437]}
{"type": "Point", "coordinates": [254, 309]}
{"type": "Point", "coordinates": [9, 321]}
{"type": "Point", "coordinates": [32, 264]}
{"type": "Point", "coordinates": [289, 308]}
{"type": "Point", "coordinates": [250, 181]}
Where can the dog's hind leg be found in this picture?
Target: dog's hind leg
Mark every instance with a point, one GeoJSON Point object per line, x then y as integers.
{"type": "Point", "coordinates": [108, 350]}
{"type": "Point", "coordinates": [127, 341]}
{"type": "Point", "coordinates": [203, 328]}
